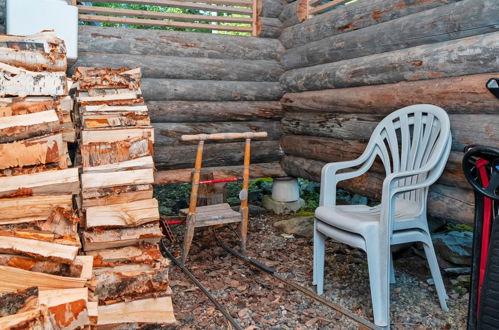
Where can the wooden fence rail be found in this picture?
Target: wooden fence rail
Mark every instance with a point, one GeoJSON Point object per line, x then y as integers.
{"type": "Point", "coordinates": [239, 15]}
{"type": "Point", "coordinates": [320, 6]}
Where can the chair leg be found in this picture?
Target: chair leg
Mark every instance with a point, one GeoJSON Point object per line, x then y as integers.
{"type": "Point", "coordinates": [436, 275]}
{"type": "Point", "coordinates": [378, 261]}
{"type": "Point", "coordinates": [392, 270]}
{"type": "Point", "coordinates": [318, 263]}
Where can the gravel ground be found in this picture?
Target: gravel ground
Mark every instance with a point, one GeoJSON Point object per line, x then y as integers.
{"type": "Point", "coordinates": [257, 301]}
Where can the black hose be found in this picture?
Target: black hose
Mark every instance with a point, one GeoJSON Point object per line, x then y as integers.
{"type": "Point", "coordinates": [199, 285]}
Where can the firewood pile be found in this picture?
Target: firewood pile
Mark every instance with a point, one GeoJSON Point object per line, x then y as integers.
{"type": "Point", "coordinates": [121, 227]}
{"type": "Point", "coordinates": [42, 277]}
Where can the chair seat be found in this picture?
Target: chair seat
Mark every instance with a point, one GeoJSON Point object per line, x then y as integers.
{"type": "Point", "coordinates": [217, 214]}
{"type": "Point", "coordinates": [361, 218]}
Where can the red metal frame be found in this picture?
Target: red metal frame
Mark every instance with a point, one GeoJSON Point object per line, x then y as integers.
{"type": "Point", "coordinates": [487, 222]}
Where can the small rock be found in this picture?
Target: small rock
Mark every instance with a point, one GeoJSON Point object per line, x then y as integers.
{"type": "Point", "coordinates": [464, 278]}
{"type": "Point", "coordinates": [454, 282]}
{"type": "Point", "coordinates": [454, 246]}
{"type": "Point", "coordinates": [430, 281]}
{"type": "Point", "coordinates": [302, 226]}
{"type": "Point", "coordinates": [458, 270]}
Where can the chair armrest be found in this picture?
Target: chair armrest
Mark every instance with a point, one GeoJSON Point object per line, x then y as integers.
{"type": "Point", "coordinates": [330, 177]}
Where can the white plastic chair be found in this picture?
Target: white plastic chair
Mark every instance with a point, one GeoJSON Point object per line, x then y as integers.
{"type": "Point", "coordinates": [413, 144]}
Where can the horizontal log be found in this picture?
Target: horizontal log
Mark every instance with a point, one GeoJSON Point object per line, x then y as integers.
{"type": "Point", "coordinates": [262, 170]}
{"type": "Point", "coordinates": [466, 129]}
{"type": "Point", "coordinates": [112, 179]}
{"type": "Point", "coordinates": [41, 183]}
{"type": "Point", "coordinates": [192, 111]}
{"type": "Point", "coordinates": [294, 13]}
{"type": "Point", "coordinates": [152, 310]}
{"type": "Point", "coordinates": [115, 238]}
{"type": "Point", "coordinates": [145, 254]}
{"type": "Point", "coordinates": [465, 94]}
{"type": "Point", "coordinates": [19, 127]}
{"type": "Point", "coordinates": [336, 150]}
{"type": "Point", "coordinates": [444, 202]}
{"type": "Point", "coordinates": [175, 67]}
{"type": "Point", "coordinates": [35, 318]}
{"type": "Point", "coordinates": [168, 134]}
{"type": "Point", "coordinates": [33, 208]}
{"type": "Point", "coordinates": [128, 282]}
{"type": "Point", "coordinates": [174, 43]}
{"type": "Point", "coordinates": [116, 195]}
{"type": "Point", "coordinates": [267, 27]}
{"type": "Point", "coordinates": [18, 302]}
{"type": "Point", "coordinates": [114, 119]}
{"type": "Point", "coordinates": [272, 8]}
{"type": "Point", "coordinates": [131, 214]}
{"type": "Point", "coordinates": [20, 82]}
{"type": "Point", "coordinates": [35, 151]}
{"type": "Point", "coordinates": [444, 59]}
{"type": "Point", "coordinates": [430, 26]}
{"type": "Point", "coordinates": [217, 154]}
{"type": "Point", "coordinates": [133, 164]}
{"type": "Point", "coordinates": [355, 16]}
{"type": "Point", "coordinates": [43, 266]}
{"type": "Point", "coordinates": [209, 90]}
{"type": "Point", "coordinates": [42, 250]}
{"type": "Point", "coordinates": [88, 77]}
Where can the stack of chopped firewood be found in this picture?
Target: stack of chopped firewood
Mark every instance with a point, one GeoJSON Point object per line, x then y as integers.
{"type": "Point", "coordinates": [41, 274]}
{"type": "Point", "coordinates": [121, 227]}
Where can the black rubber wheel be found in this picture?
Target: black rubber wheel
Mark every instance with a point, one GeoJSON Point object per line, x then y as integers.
{"type": "Point", "coordinates": [488, 317]}
{"type": "Point", "coordinates": [471, 173]}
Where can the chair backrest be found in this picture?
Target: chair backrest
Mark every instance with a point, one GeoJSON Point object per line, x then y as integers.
{"type": "Point", "coordinates": [411, 138]}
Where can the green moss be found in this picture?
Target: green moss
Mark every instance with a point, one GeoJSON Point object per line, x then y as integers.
{"type": "Point", "coordinates": [461, 227]}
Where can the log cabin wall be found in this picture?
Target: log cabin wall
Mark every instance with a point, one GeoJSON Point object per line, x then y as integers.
{"type": "Point", "coordinates": [348, 68]}
{"type": "Point", "coordinates": [2, 15]}
{"type": "Point", "coordinates": [198, 83]}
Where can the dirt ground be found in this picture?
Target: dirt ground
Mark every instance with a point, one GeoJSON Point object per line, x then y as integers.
{"type": "Point", "coordinates": [258, 301]}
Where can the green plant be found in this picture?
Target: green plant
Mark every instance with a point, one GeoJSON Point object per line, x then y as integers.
{"type": "Point", "coordinates": [461, 227]}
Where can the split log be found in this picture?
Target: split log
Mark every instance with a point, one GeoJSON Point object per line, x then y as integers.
{"type": "Point", "coordinates": [444, 59]}
{"type": "Point", "coordinates": [168, 134]}
{"type": "Point", "coordinates": [175, 43]}
{"type": "Point", "coordinates": [42, 183]}
{"type": "Point", "coordinates": [267, 27]}
{"type": "Point", "coordinates": [33, 208]}
{"type": "Point", "coordinates": [466, 129]}
{"type": "Point", "coordinates": [210, 90]}
{"type": "Point", "coordinates": [335, 150]}
{"type": "Point", "coordinates": [144, 254]}
{"type": "Point", "coordinates": [18, 301]}
{"type": "Point", "coordinates": [122, 215]}
{"type": "Point", "coordinates": [431, 26]}
{"type": "Point", "coordinates": [19, 82]}
{"type": "Point", "coordinates": [67, 308]}
{"type": "Point", "coordinates": [36, 319]}
{"type": "Point", "coordinates": [39, 52]}
{"type": "Point", "coordinates": [187, 111]}
{"type": "Point", "coordinates": [173, 67]}
{"type": "Point", "coordinates": [128, 282]}
{"type": "Point", "coordinates": [122, 119]}
{"type": "Point", "coordinates": [35, 151]}
{"type": "Point", "coordinates": [110, 96]}
{"type": "Point", "coordinates": [89, 136]}
{"type": "Point", "coordinates": [217, 154]}
{"type": "Point", "coordinates": [38, 249]}
{"type": "Point", "coordinates": [90, 77]}
{"type": "Point", "coordinates": [294, 13]}
{"type": "Point", "coordinates": [262, 170]}
{"type": "Point", "coordinates": [116, 195]}
{"type": "Point", "coordinates": [15, 279]}
{"type": "Point", "coordinates": [58, 297]}
{"type": "Point", "coordinates": [115, 238]}
{"type": "Point", "coordinates": [104, 108]}
{"type": "Point", "coordinates": [443, 202]}
{"type": "Point", "coordinates": [44, 266]}
{"type": "Point", "coordinates": [134, 164]}
{"type": "Point", "coordinates": [98, 180]}
{"type": "Point", "coordinates": [152, 310]}
{"type": "Point", "coordinates": [353, 17]}
{"type": "Point", "coordinates": [465, 94]}
{"type": "Point", "coordinates": [25, 126]}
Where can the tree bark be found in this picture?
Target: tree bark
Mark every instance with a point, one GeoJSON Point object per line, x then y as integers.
{"type": "Point", "coordinates": [430, 26]}
{"type": "Point", "coordinates": [294, 13]}
{"type": "Point", "coordinates": [192, 111]}
{"type": "Point", "coordinates": [168, 134]}
{"type": "Point", "coordinates": [218, 154]}
{"type": "Point", "coordinates": [268, 27]}
{"type": "Point", "coordinates": [173, 43]}
{"type": "Point", "coordinates": [444, 202]}
{"type": "Point", "coordinates": [272, 8]}
{"type": "Point", "coordinates": [465, 94]}
{"type": "Point", "coordinates": [206, 90]}
{"type": "Point", "coordinates": [353, 17]}
{"type": "Point", "coordinates": [472, 55]}
{"type": "Point", "coordinates": [174, 67]}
